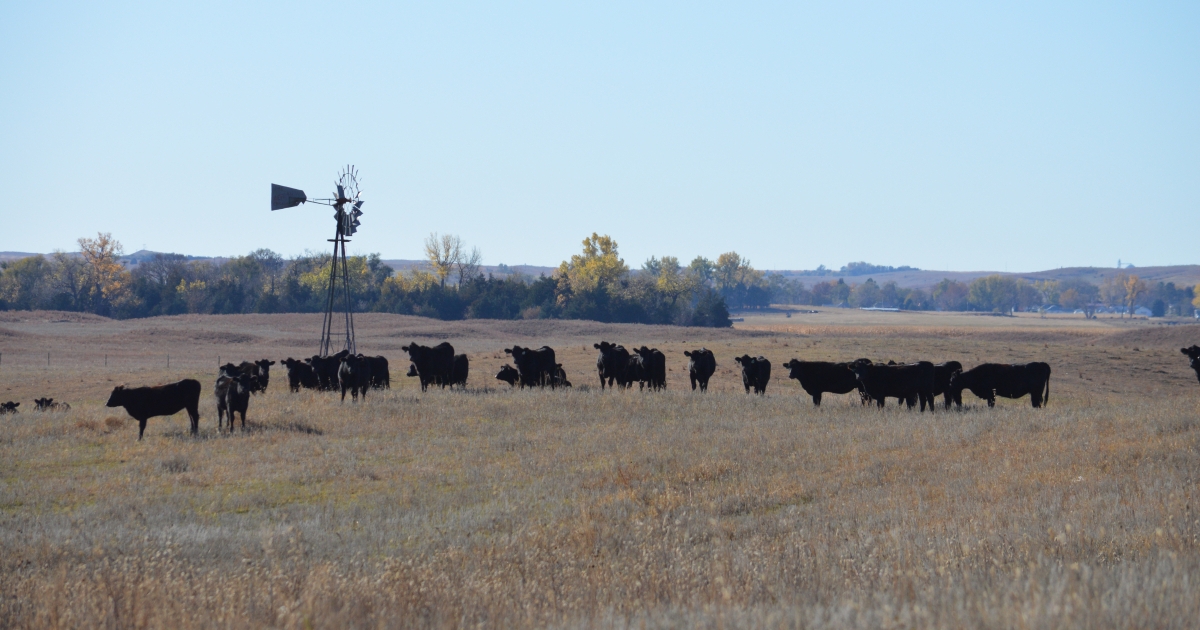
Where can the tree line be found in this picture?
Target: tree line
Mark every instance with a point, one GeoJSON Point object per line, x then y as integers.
{"type": "Point", "coordinates": [595, 284]}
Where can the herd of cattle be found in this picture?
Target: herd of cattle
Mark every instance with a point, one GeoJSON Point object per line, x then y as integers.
{"type": "Point", "coordinates": [912, 384]}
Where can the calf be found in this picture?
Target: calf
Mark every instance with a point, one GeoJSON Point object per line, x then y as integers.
{"type": "Point", "coordinates": [701, 367]}
{"type": "Point", "coordinates": [756, 373]}
{"type": "Point", "coordinates": [508, 374]}
{"type": "Point", "coordinates": [355, 375]}
{"type": "Point", "coordinates": [536, 366]}
{"type": "Point", "coordinates": [909, 383]}
{"type": "Point", "coordinates": [819, 377]}
{"type": "Point", "coordinates": [612, 364]}
{"type": "Point", "coordinates": [144, 403]}
{"type": "Point", "coordinates": [1008, 380]}
{"type": "Point", "coordinates": [941, 382]}
{"type": "Point", "coordinates": [48, 404]}
{"type": "Point", "coordinates": [655, 363]}
{"type": "Point", "coordinates": [1193, 354]}
{"type": "Point", "coordinates": [9, 407]}
{"type": "Point", "coordinates": [635, 370]}
{"type": "Point", "coordinates": [433, 365]}
{"type": "Point", "coordinates": [300, 374]}
{"type": "Point", "coordinates": [560, 376]}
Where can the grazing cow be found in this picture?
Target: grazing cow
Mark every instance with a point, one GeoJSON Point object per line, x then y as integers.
{"type": "Point", "coordinates": [701, 367]}
{"type": "Point", "coordinates": [459, 370]}
{"type": "Point", "coordinates": [819, 377]}
{"type": "Point", "coordinates": [1010, 381]}
{"type": "Point", "coordinates": [1193, 353]}
{"type": "Point", "coordinates": [655, 363]}
{"type": "Point", "coordinates": [300, 374]}
{"type": "Point", "coordinates": [9, 407]}
{"type": "Point", "coordinates": [355, 375]}
{"type": "Point", "coordinates": [508, 374]}
{"type": "Point", "coordinates": [910, 383]}
{"type": "Point", "coordinates": [536, 366]}
{"type": "Point", "coordinates": [756, 373]}
{"type": "Point", "coordinates": [48, 404]}
{"type": "Point", "coordinates": [381, 376]}
{"type": "Point", "coordinates": [560, 376]}
{"type": "Point", "coordinates": [612, 364]}
{"type": "Point", "coordinates": [144, 403]}
{"type": "Point", "coordinates": [326, 369]}
{"type": "Point", "coordinates": [433, 365]}
{"type": "Point", "coordinates": [941, 382]}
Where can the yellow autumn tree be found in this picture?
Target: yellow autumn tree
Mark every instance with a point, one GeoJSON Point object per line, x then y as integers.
{"type": "Point", "coordinates": [106, 279]}
{"type": "Point", "coordinates": [598, 266]}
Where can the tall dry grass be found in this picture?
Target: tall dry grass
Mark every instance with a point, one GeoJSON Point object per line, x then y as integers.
{"type": "Point", "coordinates": [584, 508]}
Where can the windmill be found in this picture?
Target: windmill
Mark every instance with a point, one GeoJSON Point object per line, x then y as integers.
{"type": "Point", "coordinates": [348, 208]}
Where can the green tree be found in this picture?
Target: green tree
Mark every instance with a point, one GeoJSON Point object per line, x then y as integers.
{"type": "Point", "coordinates": [598, 266]}
{"type": "Point", "coordinates": [865, 295]}
{"type": "Point", "coordinates": [951, 295]}
{"type": "Point", "coordinates": [993, 293]}
{"type": "Point", "coordinates": [23, 283]}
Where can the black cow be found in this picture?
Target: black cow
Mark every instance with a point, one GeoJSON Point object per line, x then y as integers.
{"type": "Point", "coordinates": [701, 367]}
{"type": "Point", "coordinates": [910, 383]}
{"type": "Point", "coordinates": [433, 365]}
{"type": "Point", "coordinates": [233, 391]}
{"type": "Point", "coordinates": [354, 374]}
{"type": "Point", "coordinates": [300, 374]}
{"type": "Point", "coordinates": [1008, 380]}
{"type": "Point", "coordinates": [656, 367]}
{"type": "Point", "coordinates": [381, 376]}
{"type": "Point", "coordinates": [508, 374]}
{"type": "Point", "coordinates": [460, 370]}
{"type": "Point", "coordinates": [144, 403]}
{"type": "Point", "coordinates": [819, 377]}
{"type": "Point", "coordinates": [636, 371]}
{"type": "Point", "coordinates": [326, 369]}
{"type": "Point", "coordinates": [261, 371]}
{"type": "Point", "coordinates": [942, 372]}
{"type": "Point", "coordinates": [9, 407]}
{"type": "Point", "coordinates": [536, 366]}
{"type": "Point", "coordinates": [612, 364]}
{"type": "Point", "coordinates": [756, 373]}
{"type": "Point", "coordinates": [1193, 354]}
{"type": "Point", "coordinates": [48, 404]}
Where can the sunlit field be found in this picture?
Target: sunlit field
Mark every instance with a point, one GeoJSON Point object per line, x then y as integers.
{"type": "Point", "coordinates": [502, 507]}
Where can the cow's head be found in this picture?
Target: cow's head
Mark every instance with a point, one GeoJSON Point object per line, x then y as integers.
{"type": "Point", "coordinates": [645, 352]}
{"type": "Point", "coordinates": [953, 366]}
{"type": "Point", "coordinates": [9, 407]}
{"type": "Point", "coordinates": [956, 380]}
{"type": "Point", "coordinates": [793, 367]}
{"type": "Point", "coordinates": [42, 404]}
{"type": "Point", "coordinates": [859, 367]}
{"type": "Point", "coordinates": [264, 370]}
{"type": "Point", "coordinates": [745, 360]}
{"type": "Point", "coordinates": [508, 374]}
{"type": "Point", "coordinates": [604, 346]}
{"type": "Point", "coordinates": [117, 398]}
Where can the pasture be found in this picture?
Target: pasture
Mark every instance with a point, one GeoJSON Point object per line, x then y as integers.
{"type": "Point", "coordinates": [502, 507]}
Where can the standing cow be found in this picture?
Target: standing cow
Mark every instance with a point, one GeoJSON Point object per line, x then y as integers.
{"type": "Point", "coordinates": [300, 374]}
{"type": "Point", "coordinates": [144, 403]}
{"type": "Point", "coordinates": [354, 375]}
{"type": "Point", "coordinates": [910, 383]}
{"type": "Point", "coordinates": [434, 366]}
{"type": "Point", "coordinates": [942, 372]}
{"type": "Point", "coordinates": [1193, 354]}
{"type": "Point", "coordinates": [655, 363]}
{"type": "Point", "coordinates": [535, 366]}
{"type": "Point", "coordinates": [612, 364]}
{"type": "Point", "coordinates": [1008, 380]}
{"type": "Point", "coordinates": [819, 377]}
{"type": "Point", "coordinates": [756, 373]}
{"type": "Point", "coordinates": [701, 366]}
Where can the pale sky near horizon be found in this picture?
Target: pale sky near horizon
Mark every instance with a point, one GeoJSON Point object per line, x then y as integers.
{"type": "Point", "coordinates": [962, 136]}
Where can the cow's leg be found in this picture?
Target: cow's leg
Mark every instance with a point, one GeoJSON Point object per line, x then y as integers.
{"type": "Point", "coordinates": [141, 427]}
{"type": "Point", "coordinates": [194, 415]}
{"type": "Point", "coordinates": [991, 400]}
{"type": "Point", "coordinates": [879, 401]}
{"type": "Point", "coordinates": [816, 399]}
{"type": "Point", "coordinates": [693, 379]}
{"type": "Point", "coordinates": [343, 393]}
{"type": "Point", "coordinates": [1036, 399]}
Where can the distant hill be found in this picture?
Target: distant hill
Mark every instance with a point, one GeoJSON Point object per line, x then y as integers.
{"type": "Point", "coordinates": [1181, 275]}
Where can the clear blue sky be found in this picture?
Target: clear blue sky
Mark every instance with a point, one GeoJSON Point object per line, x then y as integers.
{"type": "Point", "coordinates": [965, 136]}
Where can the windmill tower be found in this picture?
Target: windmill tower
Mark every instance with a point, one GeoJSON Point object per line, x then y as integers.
{"type": "Point", "coordinates": [347, 209]}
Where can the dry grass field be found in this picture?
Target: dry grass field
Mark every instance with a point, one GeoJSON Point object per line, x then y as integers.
{"type": "Point", "coordinates": [493, 507]}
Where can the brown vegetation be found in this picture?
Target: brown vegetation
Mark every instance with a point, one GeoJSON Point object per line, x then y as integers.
{"type": "Point", "coordinates": [517, 508]}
